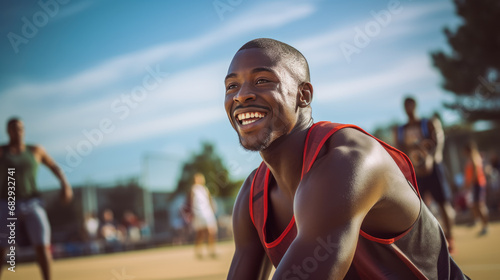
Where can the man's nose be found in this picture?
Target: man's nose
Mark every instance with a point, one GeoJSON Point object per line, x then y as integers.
{"type": "Point", "coordinates": [244, 94]}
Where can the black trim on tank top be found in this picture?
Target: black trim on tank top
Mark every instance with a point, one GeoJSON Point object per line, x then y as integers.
{"type": "Point", "coordinates": [257, 196]}
{"type": "Point", "coordinates": [413, 188]}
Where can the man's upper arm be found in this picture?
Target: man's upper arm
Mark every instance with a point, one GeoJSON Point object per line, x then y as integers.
{"type": "Point", "coordinates": [330, 206]}
{"type": "Point", "coordinates": [437, 135]}
{"type": "Point", "coordinates": [50, 163]}
{"type": "Point", "coordinates": [249, 258]}
{"type": "Point", "coordinates": [45, 157]}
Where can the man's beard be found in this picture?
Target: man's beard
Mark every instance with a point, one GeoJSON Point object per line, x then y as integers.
{"type": "Point", "coordinates": [258, 143]}
{"type": "Point", "coordinates": [263, 139]}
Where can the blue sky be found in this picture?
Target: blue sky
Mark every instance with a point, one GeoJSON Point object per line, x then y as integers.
{"type": "Point", "coordinates": [145, 78]}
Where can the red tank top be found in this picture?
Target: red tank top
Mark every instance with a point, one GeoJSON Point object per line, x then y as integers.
{"type": "Point", "coordinates": [402, 257]}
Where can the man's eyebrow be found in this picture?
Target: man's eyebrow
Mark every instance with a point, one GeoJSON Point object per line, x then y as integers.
{"type": "Point", "coordinates": [263, 69]}
{"type": "Point", "coordinates": [232, 75]}
{"type": "Point", "coordinates": [255, 70]}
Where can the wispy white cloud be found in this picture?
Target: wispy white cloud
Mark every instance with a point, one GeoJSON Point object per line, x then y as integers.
{"type": "Point", "coordinates": [174, 105]}
{"type": "Point", "coordinates": [201, 83]}
{"type": "Point", "coordinates": [129, 64]}
{"type": "Point", "coordinates": [323, 48]}
{"type": "Point", "coordinates": [73, 8]}
{"type": "Point", "coordinates": [417, 10]}
{"type": "Point", "coordinates": [156, 114]}
{"type": "Point", "coordinates": [180, 90]}
{"type": "Point", "coordinates": [135, 128]}
{"type": "Point", "coordinates": [366, 84]}
{"type": "Point", "coordinates": [168, 123]}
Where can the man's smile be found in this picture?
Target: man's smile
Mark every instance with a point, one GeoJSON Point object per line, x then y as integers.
{"type": "Point", "coordinates": [249, 117]}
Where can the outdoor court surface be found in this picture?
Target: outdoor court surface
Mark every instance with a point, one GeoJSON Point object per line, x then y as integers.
{"type": "Point", "coordinates": [479, 257]}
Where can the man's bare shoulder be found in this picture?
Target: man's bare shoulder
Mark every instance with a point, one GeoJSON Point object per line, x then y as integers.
{"type": "Point", "coordinates": [357, 177]}
{"type": "Point", "coordinates": [35, 147]}
{"type": "Point", "coordinates": [353, 153]}
{"type": "Point", "coordinates": [37, 150]}
{"type": "Point", "coordinates": [351, 143]}
{"type": "Point", "coordinates": [350, 168]}
{"type": "Point", "coordinates": [348, 157]}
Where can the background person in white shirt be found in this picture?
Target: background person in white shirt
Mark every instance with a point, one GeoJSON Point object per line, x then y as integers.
{"type": "Point", "coordinates": [204, 222]}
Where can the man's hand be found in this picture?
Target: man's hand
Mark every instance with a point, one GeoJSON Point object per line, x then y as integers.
{"type": "Point", "coordinates": [66, 194]}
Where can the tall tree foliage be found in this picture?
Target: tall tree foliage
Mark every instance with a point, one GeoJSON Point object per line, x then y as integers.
{"type": "Point", "coordinates": [472, 70]}
{"type": "Point", "coordinates": [210, 164]}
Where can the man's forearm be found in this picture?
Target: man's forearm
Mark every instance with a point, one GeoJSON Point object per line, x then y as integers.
{"type": "Point", "coordinates": [60, 176]}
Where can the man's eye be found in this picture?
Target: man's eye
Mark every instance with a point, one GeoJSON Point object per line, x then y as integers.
{"type": "Point", "coordinates": [261, 81]}
{"type": "Point", "coordinates": [230, 86]}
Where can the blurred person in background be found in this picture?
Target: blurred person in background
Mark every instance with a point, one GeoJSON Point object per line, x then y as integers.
{"type": "Point", "coordinates": [180, 218]}
{"type": "Point", "coordinates": [475, 184]}
{"type": "Point", "coordinates": [203, 221]}
{"type": "Point", "coordinates": [91, 225]}
{"type": "Point", "coordinates": [132, 226]}
{"type": "Point", "coordinates": [31, 215]}
{"type": "Point", "coordinates": [423, 141]}
{"type": "Point", "coordinates": [110, 232]}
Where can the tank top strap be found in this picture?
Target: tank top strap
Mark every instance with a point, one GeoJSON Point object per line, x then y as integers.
{"type": "Point", "coordinates": [320, 132]}
{"type": "Point", "coordinates": [256, 203]}
{"type": "Point", "coordinates": [317, 135]}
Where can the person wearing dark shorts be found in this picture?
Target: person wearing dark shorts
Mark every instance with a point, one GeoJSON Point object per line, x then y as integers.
{"type": "Point", "coordinates": [475, 184]}
{"type": "Point", "coordinates": [423, 141]}
{"type": "Point", "coordinates": [435, 184]}
{"type": "Point", "coordinates": [32, 224]}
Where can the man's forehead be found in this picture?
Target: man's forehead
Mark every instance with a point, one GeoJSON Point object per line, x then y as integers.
{"type": "Point", "coordinates": [253, 58]}
{"type": "Point", "coordinates": [15, 127]}
{"type": "Point", "coordinates": [16, 123]}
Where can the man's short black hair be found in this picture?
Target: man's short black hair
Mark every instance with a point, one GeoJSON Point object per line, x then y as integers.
{"type": "Point", "coordinates": [284, 51]}
{"type": "Point", "coordinates": [12, 120]}
{"type": "Point", "coordinates": [410, 99]}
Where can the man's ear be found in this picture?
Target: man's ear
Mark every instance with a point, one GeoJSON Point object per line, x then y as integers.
{"type": "Point", "coordinates": [305, 94]}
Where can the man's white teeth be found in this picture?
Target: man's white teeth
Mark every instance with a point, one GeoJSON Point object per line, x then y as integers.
{"type": "Point", "coordinates": [249, 115]}
{"type": "Point", "coordinates": [244, 122]}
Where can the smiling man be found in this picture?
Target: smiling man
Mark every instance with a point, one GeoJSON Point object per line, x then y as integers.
{"type": "Point", "coordinates": [328, 201]}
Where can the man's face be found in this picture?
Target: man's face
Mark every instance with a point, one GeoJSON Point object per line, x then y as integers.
{"type": "Point", "coordinates": [261, 98]}
{"type": "Point", "coordinates": [16, 130]}
{"type": "Point", "coordinates": [410, 107]}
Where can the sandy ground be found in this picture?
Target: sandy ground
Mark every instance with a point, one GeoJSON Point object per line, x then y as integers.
{"type": "Point", "coordinates": [479, 257]}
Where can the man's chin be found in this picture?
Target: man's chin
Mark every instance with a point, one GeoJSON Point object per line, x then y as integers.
{"type": "Point", "coordinates": [254, 146]}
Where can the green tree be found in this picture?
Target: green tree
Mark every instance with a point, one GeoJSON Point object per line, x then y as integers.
{"type": "Point", "coordinates": [471, 70]}
{"type": "Point", "coordinates": [210, 164]}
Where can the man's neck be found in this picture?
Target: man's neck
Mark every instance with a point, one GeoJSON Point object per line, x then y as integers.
{"type": "Point", "coordinates": [284, 158]}
{"type": "Point", "coordinates": [413, 119]}
{"type": "Point", "coordinates": [16, 146]}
